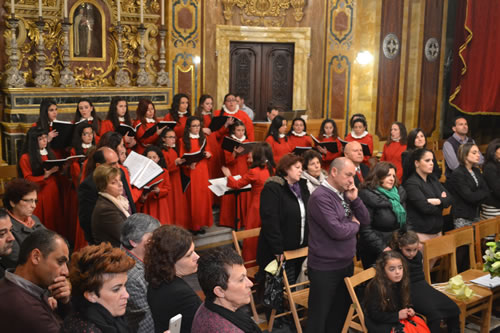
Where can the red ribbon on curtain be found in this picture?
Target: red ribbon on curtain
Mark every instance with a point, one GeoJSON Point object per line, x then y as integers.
{"type": "Point", "coordinates": [476, 71]}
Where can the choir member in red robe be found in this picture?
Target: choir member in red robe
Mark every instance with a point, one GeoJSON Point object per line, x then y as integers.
{"type": "Point", "coordinates": [277, 138]}
{"type": "Point", "coordinates": [50, 204]}
{"type": "Point", "coordinates": [48, 113]}
{"type": "Point", "coordinates": [145, 119]}
{"type": "Point", "coordinates": [236, 162]}
{"type": "Point", "coordinates": [198, 194]}
{"type": "Point", "coordinates": [231, 109]}
{"type": "Point", "coordinates": [177, 203]}
{"type": "Point", "coordinates": [359, 132]}
{"type": "Point", "coordinates": [328, 133]}
{"type": "Point", "coordinates": [118, 114]}
{"type": "Point", "coordinates": [179, 113]}
{"type": "Point", "coordinates": [297, 136]}
{"type": "Point", "coordinates": [261, 168]}
{"type": "Point", "coordinates": [85, 110]}
{"type": "Point", "coordinates": [155, 201]}
{"type": "Point", "coordinates": [394, 148]}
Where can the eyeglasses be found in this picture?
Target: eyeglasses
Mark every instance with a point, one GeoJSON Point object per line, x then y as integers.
{"type": "Point", "coordinates": [30, 201]}
{"type": "Point", "coordinates": [230, 100]}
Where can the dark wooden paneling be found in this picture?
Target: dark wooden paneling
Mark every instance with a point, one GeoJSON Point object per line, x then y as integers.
{"type": "Point", "coordinates": [430, 69]}
{"type": "Point", "coordinates": [388, 71]}
{"type": "Point", "coordinates": [185, 83]}
{"type": "Point", "coordinates": [245, 71]}
{"type": "Point", "coordinates": [338, 95]}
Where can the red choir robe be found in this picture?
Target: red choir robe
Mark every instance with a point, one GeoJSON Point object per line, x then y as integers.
{"type": "Point", "coordinates": [106, 126]}
{"type": "Point", "coordinates": [279, 149]}
{"type": "Point", "coordinates": [97, 134]}
{"type": "Point", "coordinates": [60, 153]}
{"type": "Point", "coordinates": [177, 203]}
{"type": "Point", "coordinates": [241, 115]}
{"type": "Point", "coordinates": [257, 178]}
{"type": "Point", "coordinates": [368, 140]}
{"type": "Point", "coordinates": [50, 206]}
{"type": "Point", "coordinates": [199, 196]}
{"type": "Point", "coordinates": [329, 156]}
{"type": "Point", "coordinates": [142, 143]}
{"type": "Point", "coordinates": [299, 141]}
{"type": "Point", "coordinates": [237, 166]}
{"type": "Point", "coordinates": [179, 128]}
{"type": "Point", "coordinates": [156, 204]}
{"type": "Point", "coordinates": [392, 153]}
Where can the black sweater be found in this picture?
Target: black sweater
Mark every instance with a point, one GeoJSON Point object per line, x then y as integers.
{"type": "Point", "coordinates": [467, 196]}
{"type": "Point", "coordinates": [491, 174]}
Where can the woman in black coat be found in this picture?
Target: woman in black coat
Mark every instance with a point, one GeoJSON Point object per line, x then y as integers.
{"type": "Point", "coordinates": [283, 203]}
{"type": "Point", "coordinates": [426, 197]}
{"type": "Point", "coordinates": [491, 173]}
{"type": "Point", "coordinates": [384, 217]}
{"type": "Point", "coordinates": [468, 187]}
{"type": "Point", "coordinates": [416, 140]}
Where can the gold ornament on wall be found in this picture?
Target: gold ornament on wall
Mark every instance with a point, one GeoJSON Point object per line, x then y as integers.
{"type": "Point", "coordinates": [264, 12]}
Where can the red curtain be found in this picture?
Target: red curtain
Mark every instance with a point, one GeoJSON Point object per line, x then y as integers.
{"type": "Point", "coordinates": [476, 68]}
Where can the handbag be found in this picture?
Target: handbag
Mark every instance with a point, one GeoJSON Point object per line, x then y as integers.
{"type": "Point", "coordinates": [273, 289]}
{"type": "Point", "coordinates": [414, 324]}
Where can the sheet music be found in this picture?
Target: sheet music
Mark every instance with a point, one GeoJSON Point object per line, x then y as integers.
{"type": "Point", "coordinates": [487, 281]}
{"type": "Point", "coordinates": [219, 185]}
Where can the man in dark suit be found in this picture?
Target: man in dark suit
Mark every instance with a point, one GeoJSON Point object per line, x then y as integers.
{"type": "Point", "coordinates": [354, 152]}
{"type": "Point", "coordinates": [41, 271]}
{"type": "Point", "coordinates": [87, 191]}
{"type": "Point", "coordinates": [6, 238]}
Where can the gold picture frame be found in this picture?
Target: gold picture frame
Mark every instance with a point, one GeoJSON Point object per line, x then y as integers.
{"type": "Point", "coordinates": [87, 38]}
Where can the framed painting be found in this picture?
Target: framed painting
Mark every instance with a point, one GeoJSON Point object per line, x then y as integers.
{"type": "Point", "coordinates": [87, 34]}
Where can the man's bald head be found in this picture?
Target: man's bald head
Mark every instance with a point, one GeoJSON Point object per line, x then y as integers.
{"type": "Point", "coordinates": [341, 174]}
{"type": "Point", "coordinates": [110, 156]}
{"type": "Point", "coordinates": [354, 152]}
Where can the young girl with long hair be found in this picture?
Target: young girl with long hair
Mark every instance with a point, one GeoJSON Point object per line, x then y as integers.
{"type": "Point", "coordinates": [83, 143]}
{"type": "Point", "coordinates": [50, 204]}
{"type": "Point", "coordinates": [85, 110]}
{"type": "Point", "coordinates": [155, 202]}
{"type": "Point", "coordinates": [426, 300]}
{"type": "Point", "coordinates": [395, 146]}
{"type": "Point", "coordinates": [48, 113]}
{"type": "Point", "coordinates": [387, 297]}
{"type": "Point", "coordinates": [359, 132]}
{"type": "Point", "coordinates": [416, 140]}
{"type": "Point", "coordinates": [118, 113]}
{"type": "Point", "coordinates": [177, 204]}
{"type": "Point", "coordinates": [145, 119]}
{"type": "Point", "coordinates": [261, 168]}
{"type": "Point", "coordinates": [198, 194]}
{"type": "Point", "coordinates": [236, 162]}
{"type": "Point", "coordinates": [328, 133]}
{"type": "Point", "coordinates": [180, 112]}
{"type": "Point", "coordinates": [277, 138]}
{"type": "Point", "coordinates": [297, 136]}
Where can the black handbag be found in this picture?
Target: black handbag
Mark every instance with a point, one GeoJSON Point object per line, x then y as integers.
{"type": "Point", "coordinates": [273, 289]}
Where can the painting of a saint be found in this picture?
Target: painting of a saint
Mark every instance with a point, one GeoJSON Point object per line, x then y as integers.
{"type": "Point", "coordinates": [87, 32]}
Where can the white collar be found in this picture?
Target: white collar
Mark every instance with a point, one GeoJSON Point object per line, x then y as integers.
{"type": "Point", "coordinates": [150, 120]}
{"type": "Point", "coordinates": [86, 145]}
{"type": "Point", "coordinates": [172, 146]}
{"type": "Point", "coordinates": [360, 136]}
{"type": "Point", "coordinates": [396, 140]}
{"type": "Point", "coordinates": [50, 123]}
{"type": "Point", "coordinates": [204, 113]}
{"type": "Point", "coordinates": [299, 134]}
{"type": "Point", "coordinates": [194, 136]}
{"type": "Point", "coordinates": [121, 119]}
{"type": "Point", "coordinates": [282, 135]}
{"type": "Point", "coordinates": [182, 114]}
{"type": "Point", "coordinates": [327, 136]}
{"type": "Point", "coordinates": [236, 138]}
{"type": "Point", "coordinates": [44, 152]}
{"type": "Point", "coordinates": [226, 110]}
{"type": "Point", "coordinates": [326, 184]}
{"type": "Point", "coordinates": [89, 118]}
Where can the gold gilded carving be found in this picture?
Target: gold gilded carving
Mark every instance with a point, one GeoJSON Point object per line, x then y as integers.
{"type": "Point", "coordinates": [263, 12]}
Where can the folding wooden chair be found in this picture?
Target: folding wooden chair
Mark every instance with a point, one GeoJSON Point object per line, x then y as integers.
{"type": "Point", "coordinates": [251, 265]}
{"type": "Point", "coordinates": [293, 295]}
{"type": "Point", "coordinates": [482, 230]}
{"type": "Point", "coordinates": [355, 317]}
{"type": "Point", "coordinates": [481, 301]}
{"type": "Point", "coordinates": [465, 237]}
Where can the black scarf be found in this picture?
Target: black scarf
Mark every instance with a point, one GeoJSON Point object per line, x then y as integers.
{"type": "Point", "coordinates": [239, 318]}
{"type": "Point", "coordinates": [103, 319]}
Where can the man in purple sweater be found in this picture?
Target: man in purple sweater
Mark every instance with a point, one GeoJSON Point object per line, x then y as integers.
{"type": "Point", "coordinates": [334, 215]}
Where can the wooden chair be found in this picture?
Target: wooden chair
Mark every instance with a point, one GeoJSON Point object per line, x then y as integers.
{"type": "Point", "coordinates": [293, 295]}
{"type": "Point", "coordinates": [465, 237]}
{"type": "Point", "coordinates": [355, 317]}
{"type": "Point", "coordinates": [7, 173]}
{"type": "Point", "coordinates": [252, 267]}
{"type": "Point", "coordinates": [482, 299]}
{"type": "Point", "coordinates": [482, 230]}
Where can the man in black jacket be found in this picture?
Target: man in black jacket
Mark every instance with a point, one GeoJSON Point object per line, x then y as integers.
{"type": "Point", "coordinates": [87, 191]}
{"type": "Point", "coordinates": [354, 152]}
{"type": "Point", "coordinates": [6, 238]}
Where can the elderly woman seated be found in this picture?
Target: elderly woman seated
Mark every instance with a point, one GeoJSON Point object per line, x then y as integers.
{"type": "Point", "coordinates": [223, 278]}
{"type": "Point", "coordinates": [111, 208]}
{"type": "Point", "coordinates": [98, 275]}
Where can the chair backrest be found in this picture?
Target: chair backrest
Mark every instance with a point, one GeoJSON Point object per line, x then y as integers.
{"type": "Point", "coordinates": [438, 247]}
{"type": "Point", "coordinates": [465, 236]}
{"type": "Point", "coordinates": [483, 229]}
{"type": "Point", "coordinates": [289, 255]}
{"type": "Point", "coordinates": [356, 311]}
{"type": "Point", "coordinates": [241, 235]}
{"type": "Point", "coordinates": [7, 173]}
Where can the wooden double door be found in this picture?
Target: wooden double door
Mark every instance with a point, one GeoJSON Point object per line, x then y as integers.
{"type": "Point", "coordinates": [263, 74]}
